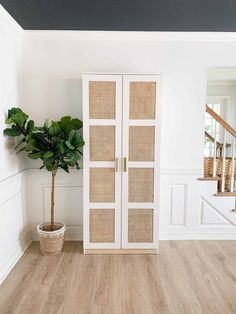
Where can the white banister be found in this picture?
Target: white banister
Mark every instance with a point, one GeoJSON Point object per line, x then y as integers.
{"type": "Point", "coordinates": [232, 167]}
{"type": "Point", "coordinates": [214, 149]}
{"type": "Point", "coordinates": [223, 164]}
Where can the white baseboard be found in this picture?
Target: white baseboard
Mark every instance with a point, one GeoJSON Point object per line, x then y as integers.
{"type": "Point", "coordinates": [9, 260]}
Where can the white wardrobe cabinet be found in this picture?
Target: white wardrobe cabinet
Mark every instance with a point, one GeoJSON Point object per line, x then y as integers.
{"type": "Point", "coordinates": [121, 163]}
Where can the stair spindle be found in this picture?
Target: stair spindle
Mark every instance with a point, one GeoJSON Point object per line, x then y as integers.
{"type": "Point", "coordinates": [232, 167]}
{"type": "Point", "coordinates": [223, 164]}
{"type": "Point", "coordinates": [214, 149]}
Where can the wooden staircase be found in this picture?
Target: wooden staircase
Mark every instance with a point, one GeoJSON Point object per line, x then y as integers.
{"type": "Point", "coordinates": [221, 166]}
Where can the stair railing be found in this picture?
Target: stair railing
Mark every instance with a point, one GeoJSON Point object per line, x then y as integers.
{"type": "Point", "coordinates": [227, 129]}
{"type": "Point", "coordinates": [219, 146]}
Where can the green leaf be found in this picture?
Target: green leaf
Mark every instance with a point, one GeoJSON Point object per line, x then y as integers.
{"type": "Point", "coordinates": [46, 125]}
{"type": "Point", "coordinates": [51, 167]}
{"type": "Point", "coordinates": [76, 139]}
{"type": "Point", "coordinates": [49, 160]}
{"type": "Point", "coordinates": [65, 167]}
{"type": "Point", "coordinates": [65, 122]}
{"type": "Point", "coordinates": [31, 145]}
{"type": "Point", "coordinates": [68, 144]}
{"type": "Point", "coordinates": [48, 154]}
{"type": "Point", "coordinates": [12, 111]}
{"type": "Point", "coordinates": [76, 124]}
{"type": "Point", "coordinates": [55, 129]}
{"type": "Point", "coordinates": [30, 126]}
{"type": "Point", "coordinates": [18, 118]}
{"type": "Point", "coordinates": [70, 162]}
{"type": "Point", "coordinates": [34, 155]}
{"type": "Point", "coordinates": [11, 132]}
{"type": "Point", "coordinates": [62, 147]}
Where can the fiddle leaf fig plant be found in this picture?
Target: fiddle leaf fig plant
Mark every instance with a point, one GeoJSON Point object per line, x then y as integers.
{"type": "Point", "coordinates": [57, 143]}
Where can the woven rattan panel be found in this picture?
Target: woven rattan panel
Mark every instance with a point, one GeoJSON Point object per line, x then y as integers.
{"type": "Point", "coordinates": [141, 185]}
{"type": "Point", "coordinates": [142, 100]}
{"type": "Point", "coordinates": [140, 225]}
{"type": "Point", "coordinates": [102, 225]}
{"type": "Point", "coordinates": [141, 143]}
{"type": "Point", "coordinates": [102, 185]}
{"type": "Point", "coordinates": [102, 99]}
{"type": "Point", "coordinates": [102, 143]}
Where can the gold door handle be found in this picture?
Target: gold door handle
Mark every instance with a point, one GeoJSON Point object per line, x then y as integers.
{"type": "Point", "coordinates": [125, 164]}
{"type": "Point", "coordinates": [116, 164]}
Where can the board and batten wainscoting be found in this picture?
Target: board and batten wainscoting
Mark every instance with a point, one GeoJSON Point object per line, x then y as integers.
{"type": "Point", "coordinates": [15, 235]}
{"type": "Point", "coordinates": [24, 202]}
{"type": "Point", "coordinates": [184, 214]}
{"type": "Point", "coordinates": [68, 200]}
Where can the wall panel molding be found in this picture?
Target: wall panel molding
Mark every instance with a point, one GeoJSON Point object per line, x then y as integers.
{"type": "Point", "coordinates": [210, 215]}
{"type": "Point", "coordinates": [14, 232]}
{"type": "Point", "coordinates": [178, 206]}
{"type": "Point", "coordinates": [181, 213]}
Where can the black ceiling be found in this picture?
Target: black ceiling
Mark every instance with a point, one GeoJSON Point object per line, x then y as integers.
{"type": "Point", "coordinates": [125, 15]}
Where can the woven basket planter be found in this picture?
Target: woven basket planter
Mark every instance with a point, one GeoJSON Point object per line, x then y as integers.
{"type": "Point", "coordinates": [51, 242]}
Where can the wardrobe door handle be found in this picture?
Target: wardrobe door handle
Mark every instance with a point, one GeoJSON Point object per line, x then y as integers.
{"type": "Point", "coordinates": [116, 164]}
{"type": "Point", "coordinates": [125, 164]}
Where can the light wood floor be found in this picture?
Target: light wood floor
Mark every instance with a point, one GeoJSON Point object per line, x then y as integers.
{"type": "Point", "coordinates": [186, 277]}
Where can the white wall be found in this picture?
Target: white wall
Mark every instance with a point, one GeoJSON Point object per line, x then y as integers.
{"type": "Point", "coordinates": [10, 80]}
{"type": "Point", "coordinates": [53, 67]}
{"type": "Point", "coordinates": [13, 222]}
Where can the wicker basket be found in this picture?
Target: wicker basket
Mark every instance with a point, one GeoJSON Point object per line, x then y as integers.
{"type": "Point", "coordinates": [51, 242]}
{"type": "Point", "coordinates": [208, 170]}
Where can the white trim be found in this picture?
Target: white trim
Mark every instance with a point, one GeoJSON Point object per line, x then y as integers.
{"type": "Point", "coordinates": [102, 164]}
{"type": "Point", "coordinates": [142, 122]}
{"type": "Point", "coordinates": [7, 179]}
{"type": "Point", "coordinates": [181, 171]}
{"type": "Point", "coordinates": [129, 35]}
{"type": "Point", "coordinates": [220, 82]}
{"type": "Point", "coordinates": [102, 121]}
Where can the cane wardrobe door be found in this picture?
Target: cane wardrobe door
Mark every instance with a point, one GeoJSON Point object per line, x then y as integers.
{"type": "Point", "coordinates": [102, 107]}
{"type": "Point", "coordinates": [140, 162]}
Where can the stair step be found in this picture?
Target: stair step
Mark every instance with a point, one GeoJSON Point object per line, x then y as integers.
{"type": "Point", "coordinates": [225, 194]}
{"type": "Point", "coordinates": [209, 179]}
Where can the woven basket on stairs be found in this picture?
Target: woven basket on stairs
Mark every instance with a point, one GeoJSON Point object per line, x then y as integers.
{"type": "Point", "coordinates": [51, 242]}
{"type": "Point", "coordinates": [208, 169]}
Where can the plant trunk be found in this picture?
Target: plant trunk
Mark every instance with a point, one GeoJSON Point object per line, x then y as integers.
{"type": "Point", "coordinates": [54, 172]}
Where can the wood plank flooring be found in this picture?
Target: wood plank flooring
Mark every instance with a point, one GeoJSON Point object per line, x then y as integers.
{"type": "Point", "coordinates": [186, 277]}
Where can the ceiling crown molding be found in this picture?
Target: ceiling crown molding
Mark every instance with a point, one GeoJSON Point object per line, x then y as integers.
{"type": "Point", "coordinates": [221, 82]}
{"type": "Point", "coordinates": [132, 35]}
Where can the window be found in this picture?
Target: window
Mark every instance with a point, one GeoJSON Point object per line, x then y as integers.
{"type": "Point", "coordinates": [210, 129]}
